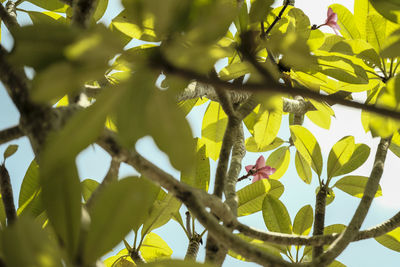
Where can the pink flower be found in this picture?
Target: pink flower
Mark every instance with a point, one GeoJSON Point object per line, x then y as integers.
{"type": "Point", "coordinates": [331, 21]}
{"type": "Point", "coordinates": [260, 171]}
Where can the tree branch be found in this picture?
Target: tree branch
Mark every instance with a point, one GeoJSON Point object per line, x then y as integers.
{"type": "Point", "coordinates": [8, 15]}
{"type": "Point", "coordinates": [358, 218]}
{"type": "Point", "coordinates": [276, 19]}
{"type": "Point", "coordinates": [195, 200]}
{"type": "Point", "coordinates": [137, 257]}
{"type": "Point", "coordinates": [273, 86]}
{"type": "Point", "coordinates": [319, 222]}
{"type": "Point", "coordinates": [83, 10]}
{"type": "Point", "coordinates": [193, 248]}
{"type": "Point", "coordinates": [9, 134]}
{"type": "Point", "coordinates": [7, 195]}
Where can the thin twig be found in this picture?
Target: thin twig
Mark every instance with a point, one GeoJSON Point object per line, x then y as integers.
{"type": "Point", "coordinates": [277, 18]}
{"type": "Point", "coordinates": [9, 134]}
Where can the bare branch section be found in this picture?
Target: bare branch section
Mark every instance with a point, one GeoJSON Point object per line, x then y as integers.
{"type": "Point", "coordinates": [193, 248]}
{"type": "Point", "coordinates": [319, 223]}
{"type": "Point", "coordinates": [10, 134]}
{"type": "Point", "coordinates": [83, 10]}
{"type": "Point", "coordinates": [358, 218]}
{"type": "Point", "coordinates": [7, 195]}
{"type": "Point", "coordinates": [195, 200]}
{"type": "Point", "coordinates": [137, 257]}
{"type": "Point", "coordinates": [8, 15]}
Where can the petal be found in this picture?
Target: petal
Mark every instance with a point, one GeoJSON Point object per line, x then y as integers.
{"type": "Point", "coordinates": [265, 172]}
{"type": "Point", "coordinates": [330, 12]}
{"type": "Point", "coordinates": [256, 178]}
{"type": "Point", "coordinates": [249, 167]}
{"type": "Point", "coordinates": [260, 162]}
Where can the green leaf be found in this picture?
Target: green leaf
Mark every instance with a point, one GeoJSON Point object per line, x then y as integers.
{"type": "Point", "coordinates": [10, 150]}
{"type": "Point", "coordinates": [307, 146]}
{"type": "Point", "coordinates": [336, 263]}
{"type": "Point", "coordinates": [303, 168]}
{"type": "Point", "coordinates": [279, 159]}
{"type": "Point", "coordinates": [121, 259]}
{"type": "Point", "coordinates": [88, 187]}
{"type": "Point", "coordinates": [359, 156]}
{"type": "Point", "coordinates": [170, 130]}
{"type": "Point", "coordinates": [154, 248]}
{"type": "Point", "coordinates": [303, 221]}
{"type": "Point", "coordinates": [339, 155]}
{"type": "Point", "coordinates": [100, 9]}
{"type": "Point", "coordinates": [252, 196]}
{"type": "Point", "coordinates": [341, 67]}
{"type": "Point", "coordinates": [235, 70]}
{"type": "Point", "coordinates": [131, 30]}
{"type": "Point", "coordinates": [265, 246]}
{"type": "Point", "coordinates": [276, 216]}
{"type": "Point", "coordinates": [213, 129]}
{"type": "Point", "coordinates": [53, 5]}
{"type": "Point", "coordinates": [116, 211]}
{"type": "Point", "coordinates": [355, 185]}
{"type": "Point", "coordinates": [61, 196]}
{"type": "Point", "coordinates": [177, 263]}
{"type": "Point", "coordinates": [259, 10]}
{"type": "Point", "coordinates": [30, 192]}
{"type": "Point", "coordinates": [390, 240]}
{"type": "Point", "coordinates": [252, 146]}
{"type": "Point", "coordinates": [199, 175]}
{"type": "Point", "coordinates": [376, 31]}
{"type": "Point", "coordinates": [276, 189]}
{"type": "Point", "coordinates": [267, 127]}
{"type": "Point", "coordinates": [389, 9]}
{"type": "Point", "coordinates": [161, 212]}
{"type": "Point", "coordinates": [346, 22]}
{"type": "Point", "coordinates": [46, 17]}
{"type": "Point", "coordinates": [26, 243]}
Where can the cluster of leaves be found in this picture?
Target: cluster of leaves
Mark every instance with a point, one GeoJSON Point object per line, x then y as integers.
{"type": "Point", "coordinates": [55, 227]}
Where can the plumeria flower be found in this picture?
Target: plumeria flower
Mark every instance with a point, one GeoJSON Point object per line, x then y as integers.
{"type": "Point", "coordinates": [330, 21]}
{"type": "Point", "coordinates": [260, 170]}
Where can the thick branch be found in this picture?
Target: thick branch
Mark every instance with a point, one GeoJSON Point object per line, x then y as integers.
{"type": "Point", "coordinates": [273, 86]}
{"type": "Point", "coordinates": [137, 257]}
{"type": "Point", "coordinates": [319, 223]}
{"type": "Point", "coordinates": [194, 200]}
{"type": "Point", "coordinates": [358, 218]}
{"type": "Point", "coordinates": [8, 16]}
{"type": "Point", "coordinates": [83, 10]}
{"type": "Point", "coordinates": [10, 134]}
{"type": "Point", "coordinates": [193, 248]}
{"type": "Point", "coordinates": [7, 195]}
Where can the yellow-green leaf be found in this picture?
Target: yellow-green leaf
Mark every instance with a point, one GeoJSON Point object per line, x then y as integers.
{"type": "Point", "coordinates": [390, 240]}
{"type": "Point", "coordinates": [355, 185]}
{"type": "Point", "coordinates": [303, 168]}
{"type": "Point", "coordinates": [339, 155]}
{"type": "Point", "coordinates": [252, 146]}
{"type": "Point", "coordinates": [276, 216]}
{"type": "Point", "coordinates": [303, 221]}
{"type": "Point", "coordinates": [154, 248]}
{"type": "Point", "coordinates": [279, 159]}
{"type": "Point", "coordinates": [10, 150]}
{"type": "Point", "coordinates": [213, 129]}
{"type": "Point", "coordinates": [346, 22]}
{"type": "Point", "coordinates": [267, 127]}
{"type": "Point", "coordinates": [359, 156]}
{"type": "Point", "coordinates": [307, 146]}
{"type": "Point", "coordinates": [251, 197]}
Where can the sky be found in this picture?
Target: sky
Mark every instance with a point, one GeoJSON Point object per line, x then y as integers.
{"type": "Point", "coordinates": [94, 162]}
